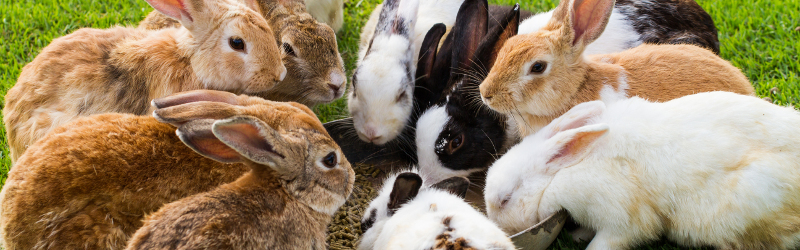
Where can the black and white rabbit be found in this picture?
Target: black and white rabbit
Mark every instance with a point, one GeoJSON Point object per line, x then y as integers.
{"type": "Point", "coordinates": [458, 135]}
{"type": "Point", "coordinates": [634, 22]}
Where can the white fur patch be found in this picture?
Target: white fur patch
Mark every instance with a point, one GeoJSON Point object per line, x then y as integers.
{"type": "Point", "coordinates": [610, 95]}
{"type": "Point", "coordinates": [429, 126]}
{"type": "Point", "coordinates": [619, 34]}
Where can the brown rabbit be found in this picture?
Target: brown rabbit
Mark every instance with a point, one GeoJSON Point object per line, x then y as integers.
{"type": "Point", "coordinates": [88, 184]}
{"type": "Point", "coordinates": [299, 178]}
{"type": "Point", "coordinates": [225, 45]}
{"type": "Point", "coordinates": [316, 70]}
{"type": "Point", "coordinates": [539, 76]}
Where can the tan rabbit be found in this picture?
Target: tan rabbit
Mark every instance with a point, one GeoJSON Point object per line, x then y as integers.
{"type": "Point", "coordinates": [299, 178]}
{"type": "Point", "coordinates": [88, 184]}
{"type": "Point", "coordinates": [539, 76]}
{"type": "Point", "coordinates": [225, 46]}
{"type": "Point", "coordinates": [316, 70]}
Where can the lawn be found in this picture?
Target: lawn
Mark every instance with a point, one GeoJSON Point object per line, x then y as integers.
{"type": "Point", "coordinates": [759, 36]}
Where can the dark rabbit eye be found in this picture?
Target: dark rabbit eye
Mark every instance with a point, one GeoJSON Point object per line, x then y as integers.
{"type": "Point", "coordinates": [401, 96]}
{"type": "Point", "coordinates": [288, 49]}
{"type": "Point", "coordinates": [236, 44]}
{"type": "Point", "coordinates": [330, 160]}
{"type": "Point", "coordinates": [455, 144]}
{"type": "Point", "coordinates": [538, 67]}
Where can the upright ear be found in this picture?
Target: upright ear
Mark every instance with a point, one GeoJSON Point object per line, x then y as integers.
{"type": "Point", "coordinates": [576, 117]}
{"type": "Point", "coordinates": [195, 96]}
{"type": "Point", "coordinates": [254, 5]}
{"type": "Point", "coordinates": [252, 139]}
{"type": "Point", "coordinates": [468, 31]}
{"type": "Point", "coordinates": [589, 19]}
{"type": "Point", "coordinates": [571, 146]}
{"type": "Point", "coordinates": [397, 17]}
{"type": "Point", "coordinates": [455, 185]}
{"type": "Point", "coordinates": [198, 136]}
{"type": "Point", "coordinates": [428, 87]}
{"type": "Point", "coordinates": [405, 188]}
{"type": "Point", "coordinates": [506, 28]}
{"type": "Point", "coordinates": [176, 9]}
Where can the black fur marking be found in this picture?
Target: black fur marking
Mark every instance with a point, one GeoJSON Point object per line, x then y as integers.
{"type": "Point", "coordinates": [131, 94]}
{"type": "Point", "coordinates": [671, 22]}
{"type": "Point", "coordinates": [367, 224]}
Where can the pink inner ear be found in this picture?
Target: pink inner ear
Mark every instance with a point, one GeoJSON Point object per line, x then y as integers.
{"type": "Point", "coordinates": [215, 148]}
{"type": "Point", "coordinates": [588, 18]}
{"type": "Point", "coordinates": [171, 8]}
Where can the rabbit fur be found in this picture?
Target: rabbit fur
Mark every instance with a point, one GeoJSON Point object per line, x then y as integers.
{"type": "Point", "coordinates": [566, 77]}
{"type": "Point", "coordinates": [633, 22]}
{"type": "Point", "coordinates": [432, 218]}
{"type": "Point", "coordinates": [310, 53]}
{"type": "Point", "coordinates": [92, 71]}
{"type": "Point", "coordinates": [299, 178]}
{"type": "Point", "coordinates": [89, 183]}
{"type": "Point", "coordinates": [710, 169]}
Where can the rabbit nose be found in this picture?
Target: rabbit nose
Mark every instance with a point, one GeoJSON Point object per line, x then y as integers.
{"type": "Point", "coordinates": [371, 134]}
{"type": "Point", "coordinates": [335, 88]}
{"type": "Point", "coordinates": [336, 81]}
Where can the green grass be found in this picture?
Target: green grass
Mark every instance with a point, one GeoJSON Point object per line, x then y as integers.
{"type": "Point", "coordinates": [758, 36]}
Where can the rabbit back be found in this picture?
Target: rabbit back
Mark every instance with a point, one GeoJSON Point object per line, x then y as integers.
{"type": "Point", "coordinates": [72, 180]}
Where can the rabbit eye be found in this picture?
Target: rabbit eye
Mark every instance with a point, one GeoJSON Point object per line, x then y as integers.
{"type": "Point", "coordinates": [236, 44]}
{"type": "Point", "coordinates": [330, 160]}
{"type": "Point", "coordinates": [538, 67]}
{"type": "Point", "coordinates": [455, 144]}
{"type": "Point", "coordinates": [288, 49]}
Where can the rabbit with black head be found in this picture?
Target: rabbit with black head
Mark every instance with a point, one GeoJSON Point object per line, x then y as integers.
{"type": "Point", "coordinates": [457, 135]}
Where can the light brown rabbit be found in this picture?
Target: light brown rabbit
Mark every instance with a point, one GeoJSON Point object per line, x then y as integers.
{"type": "Point", "coordinates": [316, 70]}
{"type": "Point", "coordinates": [88, 184]}
{"type": "Point", "coordinates": [225, 46]}
{"type": "Point", "coordinates": [299, 178]}
{"type": "Point", "coordinates": [539, 76]}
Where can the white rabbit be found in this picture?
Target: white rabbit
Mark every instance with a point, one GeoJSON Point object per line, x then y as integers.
{"type": "Point", "coordinates": [436, 217]}
{"type": "Point", "coordinates": [715, 168]}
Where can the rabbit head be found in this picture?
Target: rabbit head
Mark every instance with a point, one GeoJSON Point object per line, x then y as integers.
{"type": "Point", "coordinates": [233, 47]}
{"type": "Point", "coordinates": [397, 190]}
{"type": "Point", "coordinates": [310, 50]}
{"type": "Point", "coordinates": [516, 183]}
{"type": "Point", "coordinates": [536, 72]}
{"type": "Point", "coordinates": [380, 99]}
{"type": "Point", "coordinates": [458, 135]}
{"type": "Point", "coordinates": [286, 138]}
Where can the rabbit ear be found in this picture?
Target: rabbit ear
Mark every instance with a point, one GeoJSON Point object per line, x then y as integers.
{"type": "Point", "coordinates": [428, 85]}
{"type": "Point", "coordinates": [572, 145]}
{"type": "Point", "coordinates": [180, 114]}
{"type": "Point", "coordinates": [495, 38]}
{"type": "Point", "coordinates": [397, 17]}
{"type": "Point", "coordinates": [468, 31]}
{"type": "Point", "coordinates": [253, 4]}
{"type": "Point", "coordinates": [405, 188]}
{"type": "Point", "coordinates": [576, 117]}
{"type": "Point", "coordinates": [198, 136]}
{"type": "Point", "coordinates": [252, 139]}
{"type": "Point", "coordinates": [589, 19]}
{"type": "Point", "coordinates": [455, 185]}
{"type": "Point", "coordinates": [195, 96]}
{"type": "Point", "coordinates": [175, 9]}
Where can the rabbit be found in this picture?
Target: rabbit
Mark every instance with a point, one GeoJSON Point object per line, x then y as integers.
{"type": "Point", "coordinates": [381, 103]}
{"type": "Point", "coordinates": [297, 182]}
{"type": "Point", "coordinates": [310, 53]}
{"type": "Point", "coordinates": [329, 12]}
{"type": "Point", "coordinates": [436, 217]}
{"type": "Point", "coordinates": [458, 135]}
{"type": "Point", "coordinates": [711, 169]}
{"type": "Point", "coordinates": [539, 76]}
{"type": "Point", "coordinates": [633, 22]}
{"type": "Point", "coordinates": [88, 184]}
{"type": "Point", "coordinates": [226, 46]}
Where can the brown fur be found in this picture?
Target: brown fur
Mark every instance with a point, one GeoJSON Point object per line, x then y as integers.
{"type": "Point", "coordinates": [89, 183]}
{"type": "Point", "coordinates": [120, 69]}
{"type": "Point", "coordinates": [308, 77]}
{"type": "Point", "coordinates": [655, 72]}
